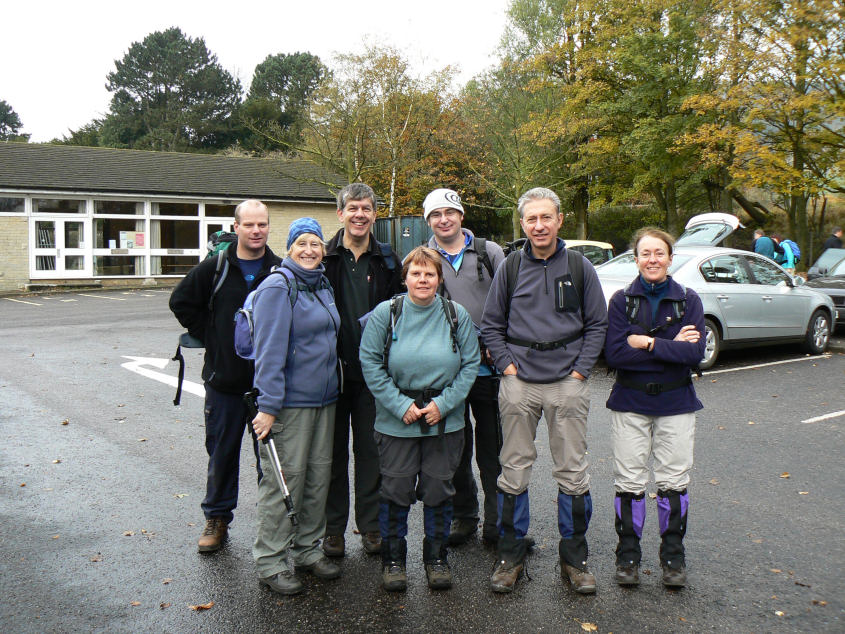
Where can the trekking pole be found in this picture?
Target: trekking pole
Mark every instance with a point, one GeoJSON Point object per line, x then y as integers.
{"type": "Point", "coordinates": [252, 409]}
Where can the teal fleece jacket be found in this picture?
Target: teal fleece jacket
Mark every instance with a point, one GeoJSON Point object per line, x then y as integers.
{"type": "Point", "coordinates": [420, 357]}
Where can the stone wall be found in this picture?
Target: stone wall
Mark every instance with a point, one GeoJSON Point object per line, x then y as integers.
{"type": "Point", "coordinates": [14, 252]}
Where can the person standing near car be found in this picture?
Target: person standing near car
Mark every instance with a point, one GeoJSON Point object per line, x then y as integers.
{"type": "Point", "coordinates": [227, 377]}
{"type": "Point", "coordinates": [545, 331]}
{"type": "Point", "coordinates": [654, 340]}
{"type": "Point", "coordinates": [468, 267]}
{"type": "Point", "coordinates": [363, 272]}
{"type": "Point", "coordinates": [834, 240]}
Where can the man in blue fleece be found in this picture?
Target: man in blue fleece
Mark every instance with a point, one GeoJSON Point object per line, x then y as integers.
{"type": "Point", "coordinates": [545, 338]}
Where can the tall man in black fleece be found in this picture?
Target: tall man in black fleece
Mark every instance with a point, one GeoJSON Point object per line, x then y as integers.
{"type": "Point", "coordinates": [227, 377]}
{"type": "Point", "coordinates": [363, 272]}
{"type": "Point", "coordinates": [545, 341]}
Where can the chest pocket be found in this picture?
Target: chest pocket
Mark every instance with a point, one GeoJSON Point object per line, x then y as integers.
{"type": "Point", "coordinates": [566, 295]}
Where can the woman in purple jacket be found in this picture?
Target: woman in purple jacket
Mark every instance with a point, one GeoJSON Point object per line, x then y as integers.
{"type": "Point", "coordinates": [654, 341]}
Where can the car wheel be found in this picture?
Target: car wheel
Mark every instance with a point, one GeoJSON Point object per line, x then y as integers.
{"type": "Point", "coordinates": [712, 344]}
{"type": "Point", "coordinates": [818, 333]}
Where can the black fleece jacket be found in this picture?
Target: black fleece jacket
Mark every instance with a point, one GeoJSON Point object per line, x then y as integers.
{"type": "Point", "coordinates": [223, 369]}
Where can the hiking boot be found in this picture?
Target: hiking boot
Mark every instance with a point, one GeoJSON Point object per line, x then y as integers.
{"type": "Point", "coordinates": [371, 542]}
{"type": "Point", "coordinates": [213, 535]}
{"type": "Point", "coordinates": [674, 577]}
{"type": "Point", "coordinates": [334, 545]}
{"type": "Point", "coordinates": [439, 575]}
{"type": "Point", "coordinates": [284, 582]}
{"type": "Point", "coordinates": [462, 529]}
{"type": "Point", "coordinates": [628, 575]}
{"type": "Point", "coordinates": [393, 577]}
{"type": "Point", "coordinates": [322, 569]}
{"type": "Point", "coordinates": [505, 575]}
{"type": "Point", "coordinates": [583, 581]}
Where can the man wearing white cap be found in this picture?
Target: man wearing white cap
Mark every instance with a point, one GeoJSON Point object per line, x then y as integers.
{"type": "Point", "coordinates": [469, 264]}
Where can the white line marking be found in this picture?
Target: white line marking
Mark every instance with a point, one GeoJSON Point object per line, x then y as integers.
{"type": "Point", "coordinates": [21, 301]}
{"type": "Point", "coordinates": [68, 300]}
{"type": "Point", "coordinates": [136, 365]}
{"type": "Point", "coordinates": [825, 417]}
{"type": "Point", "coordinates": [116, 299]}
{"type": "Point", "coordinates": [763, 365]}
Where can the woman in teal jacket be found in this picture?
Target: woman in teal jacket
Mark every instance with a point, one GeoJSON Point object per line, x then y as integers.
{"type": "Point", "coordinates": [419, 381]}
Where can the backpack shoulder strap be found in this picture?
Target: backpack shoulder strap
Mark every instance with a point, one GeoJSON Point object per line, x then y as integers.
{"type": "Point", "coordinates": [221, 270]}
{"type": "Point", "coordinates": [632, 305]}
{"type": "Point", "coordinates": [451, 317]}
{"type": "Point", "coordinates": [576, 268]}
{"type": "Point", "coordinates": [390, 336]}
{"type": "Point", "coordinates": [388, 255]}
{"type": "Point", "coordinates": [511, 275]}
{"type": "Point", "coordinates": [482, 258]}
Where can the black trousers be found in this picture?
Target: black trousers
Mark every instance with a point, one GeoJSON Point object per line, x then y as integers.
{"type": "Point", "coordinates": [356, 409]}
{"type": "Point", "coordinates": [483, 400]}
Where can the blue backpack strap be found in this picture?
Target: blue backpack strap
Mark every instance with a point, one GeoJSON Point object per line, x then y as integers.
{"type": "Point", "coordinates": [388, 255]}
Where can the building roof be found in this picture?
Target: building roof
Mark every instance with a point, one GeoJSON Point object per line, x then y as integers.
{"type": "Point", "coordinates": [68, 168]}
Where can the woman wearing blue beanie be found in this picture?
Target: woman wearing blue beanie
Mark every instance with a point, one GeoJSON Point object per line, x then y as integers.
{"type": "Point", "coordinates": [295, 326]}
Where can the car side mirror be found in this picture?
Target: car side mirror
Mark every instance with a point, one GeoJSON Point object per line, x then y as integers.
{"type": "Point", "coordinates": [798, 281]}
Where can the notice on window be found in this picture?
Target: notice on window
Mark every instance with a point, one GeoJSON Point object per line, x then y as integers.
{"type": "Point", "coordinates": [131, 239]}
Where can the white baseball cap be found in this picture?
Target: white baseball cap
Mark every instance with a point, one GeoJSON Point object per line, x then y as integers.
{"type": "Point", "coordinates": [440, 198]}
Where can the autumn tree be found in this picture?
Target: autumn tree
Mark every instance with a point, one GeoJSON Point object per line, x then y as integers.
{"type": "Point", "coordinates": [170, 93]}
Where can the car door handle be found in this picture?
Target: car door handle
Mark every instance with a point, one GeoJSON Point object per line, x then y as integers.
{"type": "Point", "coordinates": [723, 297]}
{"type": "Point", "coordinates": [766, 298]}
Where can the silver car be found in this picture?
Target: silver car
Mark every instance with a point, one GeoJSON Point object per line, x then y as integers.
{"type": "Point", "coordinates": [748, 299]}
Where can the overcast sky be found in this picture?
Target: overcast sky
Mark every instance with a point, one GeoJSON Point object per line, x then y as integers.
{"type": "Point", "coordinates": [54, 56]}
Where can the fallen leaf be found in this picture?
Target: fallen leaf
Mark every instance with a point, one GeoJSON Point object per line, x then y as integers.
{"type": "Point", "coordinates": [784, 475]}
{"type": "Point", "coordinates": [757, 541]}
{"type": "Point", "coordinates": [803, 585]}
{"type": "Point", "coordinates": [204, 606]}
{"type": "Point", "coordinates": [652, 496]}
{"type": "Point", "coordinates": [774, 395]}
{"type": "Point", "coordinates": [55, 537]}
{"type": "Point", "coordinates": [720, 427]}
{"type": "Point", "coordinates": [23, 484]}
{"type": "Point", "coordinates": [190, 523]}
{"type": "Point", "coordinates": [682, 619]}
{"type": "Point", "coordinates": [142, 440]}
{"type": "Point", "coordinates": [778, 613]}
{"type": "Point", "coordinates": [751, 422]}
{"type": "Point", "coordinates": [166, 581]}
{"type": "Point", "coordinates": [589, 627]}
{"type": "Point", "coordinates": [803, 493]}
{"type": "Point", "coordinates": [135, 603]}
{"type": "Point", "coordinates": [821, 603]}
{"type": "Point", "coordinates": [121, 404]}
{"type": "Point", "coordinates": [777, 571]}
{"type": "Point", "coordinates": [163, 605]}
{"type": "Point", "coordinates": [713, 380]}
{"type": "Point", "coordinates": [65, 422]}
{"type": "Point", "coordinates": [57, 461]}
{"type": "Point", "coordinates": [180, 496]}
{"type": "Point", "coordinates": [128, 533]}
{"type": "Point", "coordinates": [714, 481]}
{"type": "Point", "coordinates": [97, 557]}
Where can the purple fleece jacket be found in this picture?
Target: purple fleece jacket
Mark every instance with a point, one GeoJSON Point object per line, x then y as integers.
{"type": "Point", "coordinates": [535, 316]}
{"type": "Point", "coordinates": [668, 362]}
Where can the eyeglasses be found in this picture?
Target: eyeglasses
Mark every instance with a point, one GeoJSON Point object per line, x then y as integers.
{"type": "Point", "coordinates": [449, 213]}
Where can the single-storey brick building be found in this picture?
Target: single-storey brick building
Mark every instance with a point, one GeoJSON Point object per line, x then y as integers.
{"type": "Point", "coordinates": [112, 217]}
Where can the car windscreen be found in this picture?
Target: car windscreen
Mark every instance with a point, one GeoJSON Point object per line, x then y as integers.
{"type": "Point", "coordinates": [708, 233]}
{"type": "Point", "coordinates": [829, 258]}
{"type": "Point", "coordinates": [625, 265]}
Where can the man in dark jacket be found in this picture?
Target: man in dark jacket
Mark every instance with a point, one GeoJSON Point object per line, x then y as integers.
{"type": "Point", "coordinates": [545, 335]}
{"type": "Point", "coordinates": [227, 377]}
{"type": "Point", "coordinates": [834, 240]}
{"type": "Point", "coordinates": [363, 272]}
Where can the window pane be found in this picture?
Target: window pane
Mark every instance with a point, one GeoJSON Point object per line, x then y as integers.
{"type": "Point", "coordinates": [74, 235]}
{"type": "Point", "coordinates": [766, 272]}
{"type": "Point", "coordinates": [45, 234]}
{"type": "Point", "coordinates": [57, 206]}
{"type": "Point", "coordinates": [725, 269]}
{"type": "Point", "coordinates": [172, 264]}
{"type": "Point", "coordinates": [45, 262]}
{"type": "Point", "coordinates": [220, 211]}
{"type": "Point", "coordinates": [105, 265]}
{"type": "Point", "coordinates": [107, 233]}
{"type": "Point", "coordinates": [74, 262]}
{"type": "Point", "coordinates": [11, 205]}
{"type": "Point", "coordinates": [174, 234]}
{"type": "Point", "coordinates": [175, 209]}
{"type": "Point", "coordinates": [122, 207]}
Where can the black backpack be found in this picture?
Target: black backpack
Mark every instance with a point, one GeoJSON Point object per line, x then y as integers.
{"type": "Point", "coordinates": [576, 268]}
{"type": "Point", "coordinates": [396, 302]}
{"type": "Point", "coordinates": [632, 309]}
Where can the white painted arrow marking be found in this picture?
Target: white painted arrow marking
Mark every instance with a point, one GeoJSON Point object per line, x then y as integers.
{"type": "Point", "coordinates": [137, 364]}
